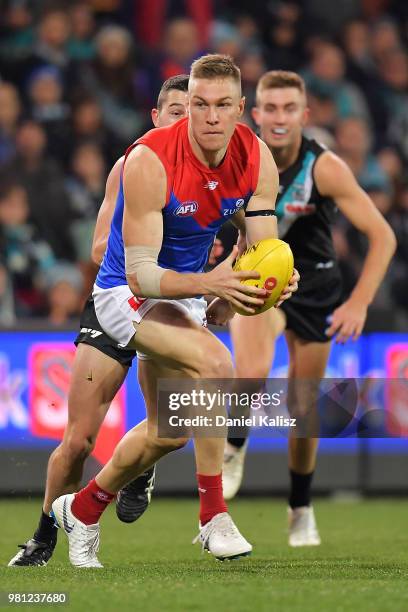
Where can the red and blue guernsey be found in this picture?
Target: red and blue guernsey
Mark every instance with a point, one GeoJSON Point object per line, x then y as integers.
{"type": "Point", "coordinates": [198, 201]}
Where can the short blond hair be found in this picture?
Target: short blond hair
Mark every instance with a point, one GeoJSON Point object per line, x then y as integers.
{"type": "Point", "coordinates": [280, 79]}
{"type": "Point", "coordinates": [215, 66]}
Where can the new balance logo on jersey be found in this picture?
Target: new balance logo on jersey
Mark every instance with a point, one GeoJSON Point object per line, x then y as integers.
{"type": "Point", "coordinates": [186, 209]}
{"type": "Point", "coordinates": [211, 185]}
{"type": "Point", "coordinates": [92, 332]}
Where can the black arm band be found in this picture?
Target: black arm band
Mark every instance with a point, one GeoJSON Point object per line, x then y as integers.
{"type": "Point", "coordinates": [260, 213]}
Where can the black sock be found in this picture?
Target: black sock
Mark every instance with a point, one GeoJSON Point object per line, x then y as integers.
{"type": "Point", "coordinates": [46, 530]}
{"type": "Point", "coordinates": [237, 442]}
{"type": "Point", "coordinates": [300, 485]}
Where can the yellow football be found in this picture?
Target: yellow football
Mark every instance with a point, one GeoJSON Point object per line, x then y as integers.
{"type": "Point", "coordinates": [273, 259]}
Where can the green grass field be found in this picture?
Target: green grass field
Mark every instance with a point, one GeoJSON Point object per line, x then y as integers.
{"type": "Point", "coordinates": [151, 565]}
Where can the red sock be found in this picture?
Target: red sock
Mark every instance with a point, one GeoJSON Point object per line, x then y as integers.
{"type": "Point", "coordinates": [90, 502]}
{"type": "Point", "coordinates": [211, 498]}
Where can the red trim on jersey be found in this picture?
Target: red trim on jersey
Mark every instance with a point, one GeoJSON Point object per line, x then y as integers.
{"type": "Point", "coordinates": [135, 302]}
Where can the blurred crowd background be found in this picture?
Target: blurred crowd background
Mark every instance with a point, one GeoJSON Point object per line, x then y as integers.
{"type": "Point", "coordinates": [78, 80]}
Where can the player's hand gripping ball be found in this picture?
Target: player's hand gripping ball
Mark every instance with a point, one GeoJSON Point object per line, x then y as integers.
{"type": "Point", "coordinates": [273, 259]}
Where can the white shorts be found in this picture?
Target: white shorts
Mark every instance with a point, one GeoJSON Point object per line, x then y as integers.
{"type": "Point", "coordinates": [117, 309]}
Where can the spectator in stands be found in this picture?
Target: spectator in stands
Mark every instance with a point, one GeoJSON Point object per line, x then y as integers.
{"type": "Point", "coordinates": [225, 39]}
{"type": "Point", "coordinates": [26, 255]}
{"type": "Point", "coordinates": [392, 165]}
{"type": "Point", "coordinates": [323, 109]}
{"type": "Point", "coordinates": [384, 39]}
{"type": "Point", "coordinates": [354, 146]}
{"type": "Point", "coordinates": [356, 39]}
{"type": "Point", "coordinates": [326, 74]}
{"type": "Point", "coordinates": [10, 110]}
{"type": "Point", "coordinates": [64, 294]}
{"type": "Point", "coordinates": [87, 126]}
{"type": "Point", "coordinates": [51, 46]}
{"type": "Point", "coordinates": [49, 109]}
{"type": "Point", "coordinates": [282, 36]}
{"type": "Point", "coordinates": [110, 78]}
{"type": "Point", "coordinates": [86, 189]}
{"type": "Point", "coordinates": [7, 309]}
{"type": "Point", "coordinates": [150, 20]}
{"type": "Point", "coordinates": [252, 68]}
{"type": "Point", "coordinates": [361, 69]}
{"type": "Point", "coordinates": [393, 70]}
{"type": "Point", "coordinates": [249, 32]}
{"type": "Point", "coordinates": [81, 44]}
{"type": "Point", "coordinates": [16, 40]}
{"type": "Point", "coordinates": [180, 48]}
{"type": "Point", "coordinates": [44, 182]}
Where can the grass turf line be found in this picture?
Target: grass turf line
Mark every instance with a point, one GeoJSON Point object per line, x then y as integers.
{"type": "Point", "coordinates": [151, 565]}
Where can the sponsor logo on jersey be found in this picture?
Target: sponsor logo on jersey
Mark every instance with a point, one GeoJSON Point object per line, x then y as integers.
{"type": "Point", "coordinates": [238, 205]}
{"type": "Point", "coordinates": [211, 185]}
{"type": "Point", "coordinates": [299, 208]}
{"type": "Point", "coordinates": [186, 209]}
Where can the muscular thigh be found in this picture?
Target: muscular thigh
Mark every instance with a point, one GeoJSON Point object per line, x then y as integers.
{"type": "Point", "coordinates": [96, 378]}
{"type": "Point", "coordinates": [172, 339]}
{"type": "Point", "coordinates": [307, 359]}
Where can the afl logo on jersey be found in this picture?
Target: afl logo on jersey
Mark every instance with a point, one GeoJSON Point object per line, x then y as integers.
{"type": "Point", "coordinates": [186, 209]}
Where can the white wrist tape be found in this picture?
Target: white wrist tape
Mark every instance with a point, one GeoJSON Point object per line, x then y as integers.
{"type": "Point", "coordinates": [142, 262]}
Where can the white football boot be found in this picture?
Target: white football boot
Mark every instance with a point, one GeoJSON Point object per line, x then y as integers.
{"type": "Point", "coordinates": [83, 539]}
{"type": "Point", "coordinates": [302, 527]}
{"type": "Point", "coordinates": [233, 469]}
{"type": "Point", "coordinates": [221, 538]}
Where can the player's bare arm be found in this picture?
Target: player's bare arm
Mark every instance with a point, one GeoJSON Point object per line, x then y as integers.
{"type": "Point", "coordinates": [145, 186]}
{"type": "Point", "coordinates": [335, 179]}
{"type": "Point", "coordinates": [261, 226]}
{"type": "Point", "coordinates": [255, 228]}
{"type": "Point", "coordinates": [105, 213]}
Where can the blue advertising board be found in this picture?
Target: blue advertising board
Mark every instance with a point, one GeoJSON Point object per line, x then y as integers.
{"type": "Point", "coordinates": [35, 372]}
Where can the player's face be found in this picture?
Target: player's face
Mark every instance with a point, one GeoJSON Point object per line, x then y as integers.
{"type": "Point", "coordinates": [281, 115]}
{"type": "Point", "coordinates": [215, 105]}
{"type": "Point", "coordinates": [174, 107]}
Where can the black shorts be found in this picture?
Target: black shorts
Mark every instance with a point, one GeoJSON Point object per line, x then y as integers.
{"type": "Point", "coordinates": [92, 333]}
{"type": "Point", "coordinates": [309, 310]}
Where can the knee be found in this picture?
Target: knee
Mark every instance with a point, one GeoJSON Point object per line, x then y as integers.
{"type": "Point", "coordinates": [256, 368]}
{"type": "Point", "coordinates": [166, 445]}
{"type": "Point", "coordinates": [215, 362]}
{"type": "Point", "coordinates": [77, 447]}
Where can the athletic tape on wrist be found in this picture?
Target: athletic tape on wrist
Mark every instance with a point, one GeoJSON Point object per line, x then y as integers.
{"type": "Point", "coordinates": [142, 262]}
